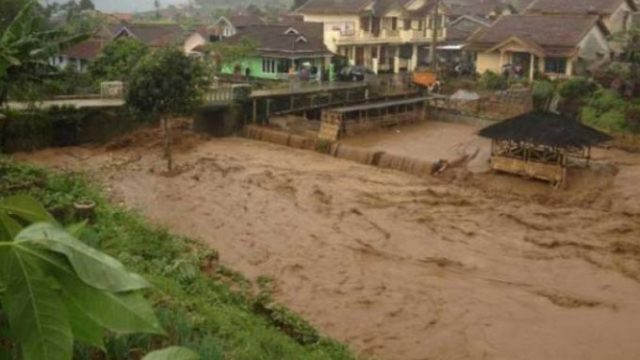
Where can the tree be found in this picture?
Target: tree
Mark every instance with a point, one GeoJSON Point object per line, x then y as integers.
{"type": "Point", "coordinates": [156, 5]}
{"type": "Point", "coordinates": [86, 5]}
{"type": "Point", "coordinates": [167, 83]}
{"type": "Point", "coordinates": [8, 11]}
{"type": "Point", "coordinates": [117, 59]}
{"type": "Point", "coordinates": [225, 54]}
{"type": "Point", "coordinates": [25, 49]}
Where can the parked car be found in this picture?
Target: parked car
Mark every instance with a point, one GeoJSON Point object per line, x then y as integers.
{"type": "Point", "coordinates": [354, 73]}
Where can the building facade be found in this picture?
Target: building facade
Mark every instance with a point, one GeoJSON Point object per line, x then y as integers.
{"type": "Point", "coordinates": [382, 35]}
{"type": "Point", "coordinates": [282, 51]}
{"type": "Point", "coordinates": [555, 46]}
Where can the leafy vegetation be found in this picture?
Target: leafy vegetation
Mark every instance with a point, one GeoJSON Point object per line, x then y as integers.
{"type": "Point", "coordinates": [577, 88]}
{"type": "Point", "coordinates": [56, 289]}
{"type": "Point", "coordinates": [228, 55]}
{"type": "Point", "coordinates": [492, 81]}
{"type": "Point", "coordinates": [117, 59]}
{"type": "Point", "coordinates": [25, 48]}
{"type": "Point", "coordinates": [167, 83]}
{"type": "Point", "coordinates": [606, 111]}
{"type": "Point", "coordinates": [543, 93]}
{"type": "Point", "coordinates": [191, 292]}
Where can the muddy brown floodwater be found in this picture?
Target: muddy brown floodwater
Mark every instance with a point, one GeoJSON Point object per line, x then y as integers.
{"type": "Point", "coordinates": [398, 266]}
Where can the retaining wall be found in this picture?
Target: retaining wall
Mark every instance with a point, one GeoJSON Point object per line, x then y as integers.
{"type": "Point", "coordinates": [363, 156]}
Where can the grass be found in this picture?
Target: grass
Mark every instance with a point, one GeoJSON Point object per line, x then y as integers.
{"type": "Point", "coordinates": [202, 305]}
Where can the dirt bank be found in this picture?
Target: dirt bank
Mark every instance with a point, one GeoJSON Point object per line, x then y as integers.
{"type": "Point", "coordinates": [402, 267]}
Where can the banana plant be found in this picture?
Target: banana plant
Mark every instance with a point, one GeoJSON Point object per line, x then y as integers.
{"type": "Point", "coordinates": [56, 290]}
{"type": "Point", "coordinates": [26, 46]}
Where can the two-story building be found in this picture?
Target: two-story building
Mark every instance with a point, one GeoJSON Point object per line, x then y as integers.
{"type": "Point", "coordinates": [382, 35]}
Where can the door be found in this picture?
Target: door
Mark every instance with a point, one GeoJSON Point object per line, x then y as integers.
{"type": "Point", "coordinates": [360, 56]}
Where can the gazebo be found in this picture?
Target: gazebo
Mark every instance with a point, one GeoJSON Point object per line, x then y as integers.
{"type": "Point", "coordinates": [540, 144]}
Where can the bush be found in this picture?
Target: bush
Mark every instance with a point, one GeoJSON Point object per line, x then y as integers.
{"type": "Point", "coordinates": [542, 92]}
{"type": "Point", "coordinates": [577, 88]}
{"type": "Point", "coordinates": [606, 111]}
{"type": "Point", "coordinates": [492, 81]}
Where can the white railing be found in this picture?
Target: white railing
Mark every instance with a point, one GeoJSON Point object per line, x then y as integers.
{"type": "Point", "coordinates": [386, 36]}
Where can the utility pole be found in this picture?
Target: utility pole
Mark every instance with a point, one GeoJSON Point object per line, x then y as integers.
{"type": "Point", "coordinates": [434, 39]}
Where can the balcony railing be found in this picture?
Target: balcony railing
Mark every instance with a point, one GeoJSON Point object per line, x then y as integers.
{"type": "Point", "coordinates": [386, 36]}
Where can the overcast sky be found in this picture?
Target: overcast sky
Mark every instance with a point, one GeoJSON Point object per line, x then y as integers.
{"type": "Point", "coordinates": [131, 5]}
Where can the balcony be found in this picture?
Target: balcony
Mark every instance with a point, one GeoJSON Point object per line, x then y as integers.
{"type": "Point", "coordinates": [386, 36]}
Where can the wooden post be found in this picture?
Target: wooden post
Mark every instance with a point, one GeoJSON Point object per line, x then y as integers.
{"type": "Point", "coordinates": [266, 120]}
{"type": "Point", "coordinates": [255, 111]}
{"type": "Point", "coordinates": [167, 143]}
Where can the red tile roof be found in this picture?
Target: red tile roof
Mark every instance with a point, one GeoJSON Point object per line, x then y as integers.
{"type": "Point", "coordinates": [86, 50]}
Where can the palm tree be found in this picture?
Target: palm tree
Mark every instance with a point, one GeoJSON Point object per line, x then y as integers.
{"type": "Point", "coordinates": [25, 49]}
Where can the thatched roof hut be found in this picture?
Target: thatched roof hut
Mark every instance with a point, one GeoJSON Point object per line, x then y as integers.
{"type": "Point", "coordinates": [539, 144]}
{"type": "Point", "coordinates": [547, 129]}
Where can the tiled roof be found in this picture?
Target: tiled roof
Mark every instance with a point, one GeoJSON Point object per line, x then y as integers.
{"type": "Point", "coordinates": [317, 7]}
{"type": "Point", "coordinates": [86, 50]}
{"type": "Point", "coordinates": [601, 7]}
{"type": "Point", "coordinates": [333, 6]}
{"type": "Point", "coordinates": [482, 8]}
{"type": "Point", "coordinates": [156, 34]}
{"type": "Point", "coordinates": [240, 21]}
{"type": "Point", "coordinates": [557, 34]}
{"type": "Point", "coordinates": [274, 39]}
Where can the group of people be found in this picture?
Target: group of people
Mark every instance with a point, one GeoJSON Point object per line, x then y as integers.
{"type": "Point", "coordinates": [513, 71]}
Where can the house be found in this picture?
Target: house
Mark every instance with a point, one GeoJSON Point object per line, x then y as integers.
{"type": "Point", "coordinates": [459, 31]}
{"type": "Point", "coordinates": [153, 35]}
{"type": "Point", "coordinates": [557, 46]}
{"type": "Point", "coordinates": [78, 56]}
{"type": "Point", "coordinates": [230, 26]}
{"type": "Point", "coordinates": [221, 29]}
{"type": "Point", "coordinates": [382, 35]}
{"type": "Point", "coordinates": [281, 50]}
{"type": "Point", "coordinates": [615, 14]}
{"type": "Point", "coordinates": [199, 37]}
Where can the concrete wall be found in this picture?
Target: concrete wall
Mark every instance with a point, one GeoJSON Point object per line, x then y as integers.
{"type": "Point", "coordinates": [193, 41]}
{"type": "Point", "coordinates": [593, 43]}
{"type": "Point", "coordinates": [488, 62]}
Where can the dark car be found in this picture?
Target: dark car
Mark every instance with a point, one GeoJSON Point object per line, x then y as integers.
{"type": "Point", "coordinates": [354, 73]}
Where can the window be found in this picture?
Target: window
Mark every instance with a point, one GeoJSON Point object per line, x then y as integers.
{"type": "Point", "coordinates": [555, 65]}
{"type": "Point", "coordinates": [283, 66]}
{"type": "Point", "coordinates": [269, 65]}
{"type": "Point", "coordinates": [407, 24]}
{"type": "Point", "coordinates": [394, 23]}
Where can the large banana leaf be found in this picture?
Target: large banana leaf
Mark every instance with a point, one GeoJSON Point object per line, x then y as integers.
{"type": "Point", "coordinates": [25, 208]}
{"type": "Point", "coordinates": [36, 314]}
{"type": "Point", "coordinates": [92, 266]}
{"type": "Point", "coordinates": [123, 313]}
{"type": "Point", "coordinates": [84, 328]}
{"type": "Point", "coordinates": [172, 353]}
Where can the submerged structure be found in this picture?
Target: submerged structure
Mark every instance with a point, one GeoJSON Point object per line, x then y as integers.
{"type": "Point", "coordinates": [540, 145]}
